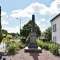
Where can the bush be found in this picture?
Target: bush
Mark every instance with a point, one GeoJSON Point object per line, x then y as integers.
{"type": "Point", "coordinates": [46, 46]}
{"type": "Point", "coordinates": [45, 40]}
{"type": "Point", "coordinates": [53, 49]}
{"type": "Point", "coordinates": [40, 43]}
{"type": "Point", "coordinates": [11, 49]}
{"type": "Point", "coordinates": [27, 40]}
{"type": "Point", "coordinates": [18, 45]}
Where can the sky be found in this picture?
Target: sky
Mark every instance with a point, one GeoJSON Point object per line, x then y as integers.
{"type": "Point", "coordinates": [44, 11]}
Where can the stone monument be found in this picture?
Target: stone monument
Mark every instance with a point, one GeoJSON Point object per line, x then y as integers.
{"type": "Point", "coordinates": [32, 47]}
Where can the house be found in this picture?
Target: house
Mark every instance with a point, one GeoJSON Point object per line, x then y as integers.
{"type": "Point", "coordinates": [55, 24]}
{"type": "Point", "coordinates": [42, 36]}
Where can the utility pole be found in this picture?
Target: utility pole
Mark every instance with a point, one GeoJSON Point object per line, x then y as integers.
{"type": "Point", "coordinates": [20, 24]}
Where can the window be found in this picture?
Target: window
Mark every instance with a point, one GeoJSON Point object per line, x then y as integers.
{"type": "Point", "coordinates": [54, 39]}
{"type": "Point", "coordinates": [54, 28]}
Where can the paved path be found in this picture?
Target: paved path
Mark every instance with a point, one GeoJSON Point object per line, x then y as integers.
{"type": "Point", "coordinates": [21, 55]}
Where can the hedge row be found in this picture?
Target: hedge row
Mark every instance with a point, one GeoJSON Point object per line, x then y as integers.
{"type": "Point", "coordinates": [53, 48]}
{"type": "Point", "coordinates": [14, 47]}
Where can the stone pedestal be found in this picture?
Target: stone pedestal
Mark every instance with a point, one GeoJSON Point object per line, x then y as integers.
{"type": "Point", "coordinates": [35, 50]}
{"type": "Point", "coordinates": [32, 47]}
{"type": "Point", "coordinates": [32, 43]}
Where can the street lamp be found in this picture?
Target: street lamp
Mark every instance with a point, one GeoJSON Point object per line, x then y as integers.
{"type": "Point", "coordinates": [20, 24]}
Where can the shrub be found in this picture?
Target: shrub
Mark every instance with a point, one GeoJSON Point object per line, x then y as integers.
{"type": "Point", "coordinates": [46, 46]}
{"type": "Point", "coordinates": [18, 45]}
{"type": "Point", "coordinates": [11, 49]}
{"type": "Point", "coordinates": [53, 49]}
{"type": "Point", "coordinates": [27, 40]}
{"type": "Point", "coordinates": [40, 43]}
{"type": "Point", "coordinates": [45, 40]}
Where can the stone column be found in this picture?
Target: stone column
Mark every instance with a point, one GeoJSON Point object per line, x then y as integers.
{"type": "Point", "coordinates": [33, 23]}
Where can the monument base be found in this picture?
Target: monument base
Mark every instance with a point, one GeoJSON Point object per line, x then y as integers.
{"type": "Point", "coordinates": [27, 49]}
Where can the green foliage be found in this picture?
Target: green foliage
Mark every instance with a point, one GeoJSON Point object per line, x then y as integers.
{"type": "Point", "coordinates": [18, 45]}
{"type": "Point", "coordinates": [53, 49]}
{"type": "Point", "coordinates": [46, 46]}
{"type": "Point", "coordinates": [13, 34]}
{"type": "Point", "coordinates": [4, 32]}
{"type": "Point", "coordinates": [15, 47]}
{"type": "Point", "coordinates": [1, 37]}
{"type": "Point", "coordinates": [27, 40]}
{"type": "Point", "coordinates": [27, 29]}
{"type": "Point", "coordinates": [44, 40]}
{"type": "Point", "coordinates": [9, 36]}
{"type": "Point", "coordinates": [47, 33]}
{"type": "Point", "coordinates": [40, 43]}
{"type": "Point", "coordinates": [11, 49]}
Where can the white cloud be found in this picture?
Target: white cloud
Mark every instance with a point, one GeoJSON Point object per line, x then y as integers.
{"type": "Point", "coordinates": [54, 7]}
{"type": "Point", "coordinates": [3, 13]}
{"type": "Point", "coordinates": [43, 19]}
{"type": "Point", "coordinates": [12, 29]}
{"type": "Point", "coordinates": [42, 27]}
{"type": "Point", "coordinates": [38, 23]}
{"type": "Point", "coordinates": [37, 7]}
{"type": "Point", "coordinates": [4, 22]}
{"type": "Point", "coordinates": [28, 11]}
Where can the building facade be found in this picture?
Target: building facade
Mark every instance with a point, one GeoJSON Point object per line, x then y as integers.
{"type": "Point", "coordinates": [55, 24]}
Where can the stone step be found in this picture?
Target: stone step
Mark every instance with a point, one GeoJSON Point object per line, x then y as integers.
{"type": "Point", "coordinates": [35, 50]}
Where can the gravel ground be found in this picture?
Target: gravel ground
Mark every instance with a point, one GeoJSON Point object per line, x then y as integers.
{"type": "Point", "coordinates": [21, 55]}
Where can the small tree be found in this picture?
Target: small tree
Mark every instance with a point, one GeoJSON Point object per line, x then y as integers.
{"type": "Point", "coordinates": [47, 33]}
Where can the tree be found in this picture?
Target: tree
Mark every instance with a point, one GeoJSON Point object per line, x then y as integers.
{"type": "Point", "coordinates": [27, 29]}
{"type": "Point", "coordinates": [13, 34]}
{"type": "Point", "coordinates": [4, 32]}
{"type": "Point", "coordinates": [47, 33]}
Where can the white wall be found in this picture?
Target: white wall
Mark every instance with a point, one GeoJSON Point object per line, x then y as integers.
{"type": "Point", "coordinates": [57, 33]}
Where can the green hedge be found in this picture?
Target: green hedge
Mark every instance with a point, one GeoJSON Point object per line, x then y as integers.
{"type": "Point", "coordinates": [48, 46]}
{"type": "Point", "coordinates": [15, 47]}
{"type": "Point", "coordinates": [27, 40]}
{"type": "Point", "coordinates": [11, 49]}
{"type": "Point", "coordinates": [40, 43]}
{"type": "Point", "coordinates": [53, 49]}
{"type": "Point", "coordinates": [45, 40]}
